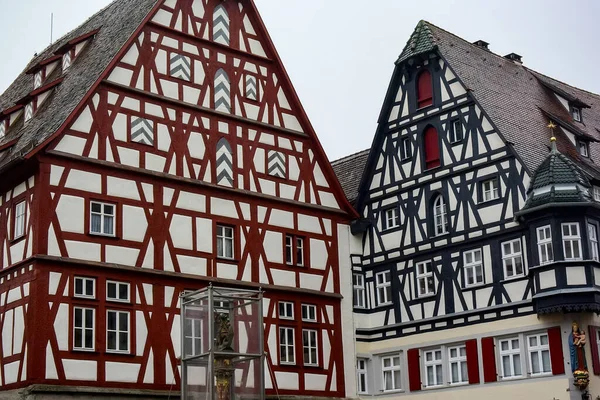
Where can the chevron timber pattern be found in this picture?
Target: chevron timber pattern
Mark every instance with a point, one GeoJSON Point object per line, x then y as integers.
{"type": "Point", "coordinates": [2, 129]}
{"type": "Point", "coordinates": [276, 164]}
{"type": "Point", "coordinates": [66, 60]}
{"type": "Point", "coordinates": [37, 81]}
{"type": "Point", "coordinates": [224, 163]}
{"type": "Point", "coordinates": [28, 111]}
{"type": "Point", "coordinates": [142, 131]}
{"type": "Point", "coordinates": [221, 25]}
{"type": "Point", "coordinates": [251, 88]}
{"type": "Point", "coordinates": [180, 67]}
{"type": "Point", "coordinates": [222, 92]}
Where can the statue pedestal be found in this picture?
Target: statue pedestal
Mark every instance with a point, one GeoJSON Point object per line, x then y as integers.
{"type": "Point", "coordinates": [223, 375]}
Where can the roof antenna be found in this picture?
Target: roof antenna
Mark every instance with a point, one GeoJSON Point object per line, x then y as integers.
{"type": "Point", "coordinates": [51, 27]}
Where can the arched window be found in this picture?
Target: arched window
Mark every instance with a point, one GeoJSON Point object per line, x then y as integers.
{"type": "Point", "coordinates": [431, 148]}
{"type": "Point", "coordinates": [440, 216]}
{"type": "Point", "coordinates": [221, 25]}
{"type": "Point", "coordinates": [222, 91]}
{"type": "Point", "coordinates": [424, 89]}
{"type": "Point", "coordinates": [224, 163]}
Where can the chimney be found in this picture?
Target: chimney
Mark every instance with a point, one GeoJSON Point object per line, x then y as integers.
{"type": "Point", "coordinates": [482, 43]}
{"type": "Point", "coordinates": [514, 57]}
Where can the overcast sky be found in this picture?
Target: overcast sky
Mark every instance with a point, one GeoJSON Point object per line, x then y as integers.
{"type": "Point", "coordinates": [340, 53]}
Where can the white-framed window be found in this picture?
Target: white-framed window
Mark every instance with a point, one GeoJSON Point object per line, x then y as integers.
{"type": "Point", "coordinates": [473, 267]}
{"type": "Point", "coordinates": [83, 328]}
{"type": "Point", "coordinates": [309, 344]}
{"type": "Point", "coordinates": [510, 357]}
{"type": "Point", "coordinates": [434, 371]}
{"type": "Point", "coordinates": [294, 250]}
{"type": "Point", "coordinates": [457, 361]}
{"type": "Point", "coordinates": [597, 339]}
{"type": "Point", "coordinates": [392, 218]}
{"type": "Point", "coordinates": [358, 284]}
{"type": "Point", "coordinates": [405, 149]}
{"type": "Point", "coordinates": [224, 241]}
{"type": "Point", "coordinates": [286, 346]}
{"type": "Point", "coordinates": [361, 376]}
{"type": "Point", "coordinates": [383, 284]}
{"type": "Point", "coordinates": [512, 259]}
{"type": "Point", "coordinates": [118, 291]}
{"type": "Point", "coordinates": [20, 215]}
{"type": "Point", "coordinates": [85, 287]}
{"type": "Point", "coordinates": [456, 131]}
{"type": "Point", "coordinates": [425, 279]}
{"type": "Point", "coordinates": [583, 149]}
{"type": "Point", "coordinates": [193, 337]}
{"type": "Point", "coordinates": [102, 218]}
{"type": "Point", "coordinates": [596, 193]}
{"type": "Point", "coordinates": [593, 235]}
{"type": "Point", "coordinates": [538, 348]}
{"type": "Point", "coordinates": [440, 216]}
{"type": "Point", "coordinates": [571, 241]}
{"type": "Point", "coordinates": [309, 313]}
{"type": "Point", "coordinates": [117, 331]}
{"type": "Point", "coordinates": [490, 190]}
{"type": "Point", "coordinates": [286, 310]}
{"type": "Point", "coordinates": [576, 114]}
{"type": "Point", "coordinates": [390, 367]}
{"type": "Point", "coordinates": [544, 238]}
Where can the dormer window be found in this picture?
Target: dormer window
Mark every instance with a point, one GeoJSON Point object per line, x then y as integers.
{"type": "Point", "coordinates": [576, 113]}
{"type": "Point", "coordinates": [583, 148]}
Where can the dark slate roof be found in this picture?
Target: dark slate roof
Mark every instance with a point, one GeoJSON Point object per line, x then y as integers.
{"type": "Point", "coordinates": [349, 172]}
{"type": "Point", "coordinates": [117, 22]}
{"type": "Point", "coordinates": [558, 169]}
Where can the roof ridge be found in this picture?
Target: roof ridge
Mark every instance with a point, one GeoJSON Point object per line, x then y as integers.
{"type": "Point", "coordinates": [561, 82]}
{"type": "Point", "coordinates": [346, 158]}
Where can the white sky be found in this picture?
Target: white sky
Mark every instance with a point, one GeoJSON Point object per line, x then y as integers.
{"type": "Point", "coordinates": [340, 53]}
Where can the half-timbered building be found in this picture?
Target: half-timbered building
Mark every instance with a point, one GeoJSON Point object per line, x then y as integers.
{"type": "Point", "coordinates": [158, 148]}
{"type": "Point", "coordinates": [477, 245]}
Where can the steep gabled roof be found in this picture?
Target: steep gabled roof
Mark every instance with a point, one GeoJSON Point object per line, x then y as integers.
{"type": "Point", "coordinates": [116, 23]}
{"type": "Point", "coordinates": [349, 172]}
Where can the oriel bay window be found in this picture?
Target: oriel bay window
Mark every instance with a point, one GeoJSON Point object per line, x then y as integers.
{"type": "Point", "coordinates": [512, 259]}
{"type": "Point", "coordinates": [571, 241]}
{"type": "Point", "coordinates": [593, 237]}
{"type": "Point", "coordinates": [383, 284]}
{"type": "Point", "coordinates": [544, 237]}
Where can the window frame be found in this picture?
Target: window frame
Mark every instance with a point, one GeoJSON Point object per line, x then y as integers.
{"type": "Point", "coordinates": [571, 239]}
{"type": "Point", "coordinates": [117, 291]}
{"type": "Point", "coordinates": [593, 241]}
{"type": "Point", "coordinates": [434, 363]}
{"type": "Point", "coordinates": [312, 345]}
{"type": "Point", "coordinates": [511, 353]}
{"type": "Point", "coordinates": [454, 138]}
{"type": "Point", "coordinates": [473, 265]}
{"type": "Point", "coordinates": [84, 279]}
{"type": "Point", "coordinates": [405, 149]}
{"type": "Point", "coordinates": [287, 345]}
{"type": "Point", "coordinates": [308, 308]}
{"type": "Point", "coordinates": [583, 148]}
{"type": "Point", "coordinates": [460, 360]}
{"type": "Point", "coordinates": [285, 315]}
{"type": "Point", "coordinates": [83, 328]}
{"type": "Point", "coordinates": [19, 220]}
{"type": "Point", "coordinates": [576, 114]}
{"type": "Point", "coordinates": [538, 350]}
{"type": "Point", "coordinates": [224, 238]}
{"type": "Point", "coordinates": [396, 386]}
{"type": "Point", "coordinates": [431, 291]}
{"type": "Point", "coordinates": [493, 190]}
{"type": "Point", "coordinates": [119, 331]}
{"type": "Point", "coordinates": [513, 256]}
{"type": "Point", "coordinates": [386, 285]}
{"type": "Point", "coordinates": [362, 372]}
{"type": "Point", "coordinates": [102, 214]}
{"type": "Point", "coordinates": [544, 244]}
{"type": "Point", "coordinates": [193, 337]}
{"type": "Point", "coordinates": [596, 193]}
{"type": "Point", "coordinates": [359, 289]}
{"type": "Point", "coordinates": [440, 210]}
{"type": "Point", "coordinates": [297, 250]}
{"type": "Point", "coordinates": [423, 101]}
{"type": "Point", "coordinates": [395, 218]}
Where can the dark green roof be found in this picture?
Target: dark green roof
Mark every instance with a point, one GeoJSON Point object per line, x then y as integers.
{"type": "Point", "coordinates": [420, 42]}
{"type": "Point", "coordinates": [558, 169]}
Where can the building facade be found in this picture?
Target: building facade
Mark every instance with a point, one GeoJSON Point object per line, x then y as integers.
{"type": "Point", "coordinates": [158, 148]}
{"type": "Point", "coordinates": [477, 246]}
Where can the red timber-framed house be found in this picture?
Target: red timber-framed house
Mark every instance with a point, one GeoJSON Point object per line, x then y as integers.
{"type": "Point", "coordinates": [158, 148]}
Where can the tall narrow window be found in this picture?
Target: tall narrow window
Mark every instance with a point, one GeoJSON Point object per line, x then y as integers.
{"type": "Point", "coordinates": [424, 89]}
{"type": "Point", "coordinates": [309, 342]}
{"type": "Point", "coordinates": [457, 359]}
{"type": "Point", "coordinates": [596, 193]}
{"type": "Point", "coordinates": [117, 331]}
{"type": "Point", "coordinates": [19, 229]}
{"type": "Point", "coordinates": [512, 259]}
{"type": "Point", "coordinates": [391, 373]}
{"type": "Point", "coordinates": [473, 266]}
{"type": "Point", "coordinates": [222, 92]}
{"type": "Point", "coordinates": [425, 279]}
{"type": "Point", "coordinates": [405, 149]}
{"type": "Point", "coordinates": [294, 250]}
{"type": "Point", "coordinates": [440, 216]}
{"type": "Point", "coordinates": [193, 337]}
{"type": "Point", "coordinates": [593, 235]}
{"type": "Point", "coordinates": [224, 163]}
{"type": "Point", "coordinates": [433, 367]}
{"type": "Point", "coordinates": [544, 237]}
{"type": "Point", "coordinates": [456, 131]}
{"type": "Point", "coordinates": [361, 375]}
{"type": "Point", "coordinates": [571, 241]}
{"type": "Point", "coordinates": [286, 346]}
{"type": "Point", "coordinates": [539, 354]}
{"type": "Point", "coordinates": [583, 148]}
{"type": "Point", "coordinates": [221, 25]}
{"type": "Point", "coordinates": [224, 241]}
{"type": "Point", "coordinates": [431, 148]}
{"type": "Point", "coordinates": [358, 283]}
{"type": "Point", "coordinates": [510, 357]}
{"type": "Point", "coordinates": [383, 285]}
{"type": "Point", "coordinates": [576, 114]}
{"type": "Point", "coordinates": [102, 219]}
{"type": "Point", "coordinates": [83, 328]}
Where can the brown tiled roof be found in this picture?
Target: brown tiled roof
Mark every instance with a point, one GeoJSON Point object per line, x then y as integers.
{"type": "Point", "coordinates": [349, 172]}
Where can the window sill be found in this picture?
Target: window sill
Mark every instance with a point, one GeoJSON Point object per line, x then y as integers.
{"type": "Point", "coordinates": [391, 230]}
{"type": "Point", "coordinates": [382, 305]}
{"type": "Point", "coordinates": [119, 353]}
{"type": "Point", "coordinates": [514, 278]}
{"type": "Point", "coordinates": [87, 351]}
{"type": "Point", "coordinates": [474, 286]}
{"type": "Point", "coordinates": [312, 366]}
{"type": "Point", "coordinates": [102, 235]}
{"type": "Point", "coordinates": [392, 391]}
{"type": "Point", "coordinates": [118, 301]}
{"type": "Point", "coordinates": [490, 202]}
{"type": "Point", "coordinates": [457, 142]}
{"type": "Point", "coordinates": [228, 260]}
{"type": "Point", "coordinates": [425, 296]}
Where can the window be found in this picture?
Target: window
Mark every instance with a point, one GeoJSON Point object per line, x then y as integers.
{"type": "Point", "coordinates": [117, 331]}
{"type": "Point", "coordinates": [456, 131]}
{"type": "Point", "coordinates": [473, 266]}
{"type": "Point", "coordinates": [117, 291]}
{"type": "Point", "coordinates": [102, 219]}
{"type": "Point", "coordinates": [539, 354]}
{"type": "Point", "coordinates": [489, 190]}
{"type": "Point", "coordinates": [457, 359]}
{"type": "Point", "coordinates": [544, 237]}
{"type": "Point", "coordinates": [286, 346]}
{"type": "Point", "coordinates": [440, 216]}
{"type": "Point", "coordinates": [405, 149]}
{"type": "Point", "coordinates": [309, 313]}
{"type": "Point", "coordinates": [433, 368]}
{"type": "Point", "coordinates": [224, 241]}
{"type": "Point", "coordinates": [576, 112]}
{"type": "Point", "coordinates": [286, 310]}
{"type": "Point", "coordinates": [512, 259]}
{"type": "Point", "coordinates": [85, 287]}
{"type": "Point", "coordinates": [392, 218]}
{"type": "Point", "coordinates": [510, 357]}
{"type": "Point", "coordinates": [597, 193]}
{"type": "Point", "coordinates": [361, 376]}
{"type": "Point", "coordinates": [19, 229]}
{"type": "Point", "coordinates": [358, 282]}
{"type": "Point", "coordinates": [384, 288]}
{"type": "Point", "coordinates": [309, 342]}
{"type": "Point", "coordinates": [83, 328]}
{"type": "Point", "coordinates": [571, 241]}
{"type": "Point", "coordinates": [583, 149]}
{"type": "Point", "coordinates": [425, 279]}
{"type": "Point", "coordinates": [193, 337]}
{"type": "Point", "coordinates": [431, 148]}
{"type": "Point", "coordinates": [593, 235]}
{"type": "Point", "coordinates": [294, 250]}
{"type": "Point", "coordinates": [424, 89]}
{"type": "Point", "coordinates": [391, 373]}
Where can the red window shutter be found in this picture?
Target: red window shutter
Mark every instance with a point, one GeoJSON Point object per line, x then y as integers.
{"type": "Point", "coordinates": [488, 354]}
{"type": "Point", "coordinates": [414, 370]}
{"type": "Point", "coordinates": [556, 351]}
{"type": "Point", "coordinates": [432, 148]}
{"type": "Point", "coordinates": [594, 348]}
{"type": "Point", "coordinates": [472, 361]}
{"type": "Point", "coordinates": [424, 90]}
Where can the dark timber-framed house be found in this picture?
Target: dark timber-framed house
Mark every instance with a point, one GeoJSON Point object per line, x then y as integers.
{"type": "Point", "coordinates": [477, 245]}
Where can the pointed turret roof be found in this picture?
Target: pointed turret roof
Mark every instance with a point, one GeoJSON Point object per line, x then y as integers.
{"type": "Point", "coordinates": [421, 41]}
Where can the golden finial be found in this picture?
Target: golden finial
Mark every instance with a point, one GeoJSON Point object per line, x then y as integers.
{"type": "Point", "coordinates": [551, 125]}
{"type": "Point", "coordinates": [553, 139]}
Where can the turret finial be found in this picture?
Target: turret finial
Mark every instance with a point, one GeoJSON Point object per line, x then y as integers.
{"type": "Point", "coordinates": [553, 144]}
{"type": "Point", "coordinates": [551, 126]}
